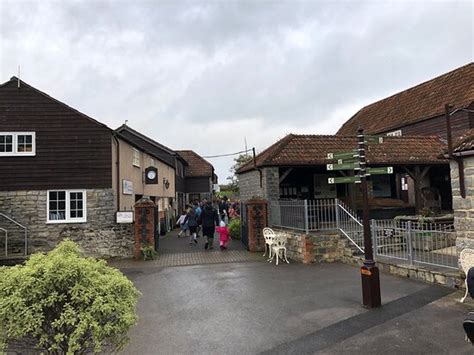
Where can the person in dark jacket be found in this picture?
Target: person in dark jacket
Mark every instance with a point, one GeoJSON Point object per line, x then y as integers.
{"type": "Point", "coordinates": [209, 219]}
{"type": "Point", "coordinates": [192, 221]}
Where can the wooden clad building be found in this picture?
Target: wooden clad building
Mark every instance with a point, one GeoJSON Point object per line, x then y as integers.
{"type": "Point", "coordinates": [420, 110]}
{"type": "Point", "coordinates": [199, 176]}
{"type": "Point", "coordinates": [67, 148]}
{"type": "Point", "coordinates": [64, 174]}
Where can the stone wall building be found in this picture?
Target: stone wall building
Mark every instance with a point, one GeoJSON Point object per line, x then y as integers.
{"type": "Point", "coordinates": [463, 196]}
{"type": "Point", "coordinates": [296, 168]}
{"type": "Point", "coordinates": [62, 175]}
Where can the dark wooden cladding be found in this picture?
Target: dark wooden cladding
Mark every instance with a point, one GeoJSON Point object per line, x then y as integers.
{"type": "Point", "coordinates": [72, 151]}
{"type": "Point", "coordinates": [180, 184]}
{"type": "Point", "coordinates": [198, 184]}
{"type": "Point", "coordinates": [460, 122]}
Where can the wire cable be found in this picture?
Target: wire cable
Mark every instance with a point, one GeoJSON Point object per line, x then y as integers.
{"type": "Point", "coordinates": [226, 155]}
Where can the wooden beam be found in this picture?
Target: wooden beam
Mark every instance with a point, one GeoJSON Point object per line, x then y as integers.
{"type": "Point", "coordinates": [415, 174]}
{"type": "Point", "coordinates": [425, 171]}
{"type": "Point", "coordinates": [285, 174]}
{"type": "Point", "coordinates": [417, 189]}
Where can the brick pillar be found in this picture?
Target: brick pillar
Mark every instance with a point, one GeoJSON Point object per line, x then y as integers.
{"type": "Point", "coordinates": [308, 253]}
{"type": "Point", "coordinates": [257, 219]}
{"type": "Point", "coordinates": [144, 225]}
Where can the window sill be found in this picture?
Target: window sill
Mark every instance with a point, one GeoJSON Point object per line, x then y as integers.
{"type": "Point", "coordinates": [67, 221]}
{"type": "Point", "coordinates": [17, 154]}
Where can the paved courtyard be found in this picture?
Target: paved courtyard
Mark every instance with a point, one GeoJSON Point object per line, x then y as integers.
{"type": "Point", "coordinates": [253, 307]}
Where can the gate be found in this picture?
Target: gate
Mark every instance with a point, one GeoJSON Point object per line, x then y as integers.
{"type": "Point", "coordinates": [244, 227]}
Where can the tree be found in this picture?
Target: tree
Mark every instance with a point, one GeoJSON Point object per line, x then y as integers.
{"type": "Point", "coordinates": [234, 179]}
{"type": "Point", "coordinates": [62, 303]}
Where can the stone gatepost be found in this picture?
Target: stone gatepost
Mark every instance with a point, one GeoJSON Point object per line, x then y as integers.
{"type": "Point", "coordinates": [144, 225]}
{"type": "Point", "coordinates": [257, 219]}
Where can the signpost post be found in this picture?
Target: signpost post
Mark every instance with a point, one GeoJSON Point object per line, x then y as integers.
{"type": "Point", "coordinates": [356, 160]}
{"type": "Point", "coordinates": [369, 271]}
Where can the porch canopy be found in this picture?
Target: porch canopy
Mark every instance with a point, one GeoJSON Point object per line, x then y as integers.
{"type": "Point", "coordinates": [419, 158]}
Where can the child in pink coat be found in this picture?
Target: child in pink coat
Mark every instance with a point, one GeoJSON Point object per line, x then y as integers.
{"type": "Point", "coordinates": [223, 235]}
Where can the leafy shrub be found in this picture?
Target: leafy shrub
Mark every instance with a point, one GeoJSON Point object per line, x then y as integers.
{"type": "Point", "coordinates": [148, 252]}
{"type": "Point", "coordinates": [61, 302]}
{"type": "Point", "coordinates": [234, 228]}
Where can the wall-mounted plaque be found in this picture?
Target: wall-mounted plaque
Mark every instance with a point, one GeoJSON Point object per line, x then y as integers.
{"type": "Point", "coordinates": [127, 187]}
{"type": "Point", "coordinates": [124, 217]}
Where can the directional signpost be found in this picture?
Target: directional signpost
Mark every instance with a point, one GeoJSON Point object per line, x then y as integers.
{"type": "Point", "coordinates": [343, 166]}
{"type": "Point", "coordinates": [380, 171]}
{"type": "Point", "coordinates": [356, 160]}
{"type": "Point", "coordinates": [344, 180]}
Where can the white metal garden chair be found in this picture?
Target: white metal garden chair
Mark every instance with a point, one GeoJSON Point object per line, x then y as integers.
{"type": "Point", "coordinates": [279, 248]}
{"type": "Point", "coordinates": [467, 261]}
{"type": "Point", "coordinates": [269, 236]}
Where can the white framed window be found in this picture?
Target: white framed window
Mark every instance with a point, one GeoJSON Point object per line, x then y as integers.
{"type": "Point", "coordinates": [136, 157]}
{"type": "Point", "coordinates": [66, 206]}
{"type": "Point", "coordinates": [17, 143]}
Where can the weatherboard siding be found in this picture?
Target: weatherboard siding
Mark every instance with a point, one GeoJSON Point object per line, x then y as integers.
{"type": "Point", "coordinates": [72, 151]}
{"type": "Point", "coordinates": [436, 126]}
{"type": "Point", "coordinates": [198, 184]}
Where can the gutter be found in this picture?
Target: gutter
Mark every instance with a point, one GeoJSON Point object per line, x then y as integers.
{"type": "Point", "coordinates": [117, 165]}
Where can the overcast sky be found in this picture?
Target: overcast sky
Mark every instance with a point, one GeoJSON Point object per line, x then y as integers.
{"type": "Point", "coordinates": [203, 75]}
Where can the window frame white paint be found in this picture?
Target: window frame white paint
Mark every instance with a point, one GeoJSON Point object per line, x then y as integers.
{"type": "Point", "coordinates": [136, 157]}
{"type": "Point", "coordinates": [68, 219]}
{"type": "Point", "coordinates": [15, 152]}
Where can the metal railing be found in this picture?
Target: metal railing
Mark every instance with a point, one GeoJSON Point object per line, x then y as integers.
{"type": "Point", "coordinates": [316, 215]}
{"type": "Point", "coordinates": [8, 242]}
{"type": "Point", "coordinates": [423, 243]}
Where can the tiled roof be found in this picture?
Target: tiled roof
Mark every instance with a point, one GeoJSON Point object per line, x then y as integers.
{"type": "Point", "coordinates": [158, 150]}
{"type": "Point", "coordinates": [464, 143]}
{"type": "Point", "coordinates": [310, 150]}
{"type": "Point", "coordinates": [197, 165]}
{"type": "Point", "coordinates": [420, 102]}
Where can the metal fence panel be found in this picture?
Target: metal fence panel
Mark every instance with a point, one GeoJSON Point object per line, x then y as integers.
{"type": "Point", "coordinates": [422, 243]}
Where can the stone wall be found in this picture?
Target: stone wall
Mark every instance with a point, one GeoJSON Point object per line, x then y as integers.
{"type": "Point", "coordinates": [314, 248]}
{"type": "Point", "coordinates": [249, 184]}
{"type": "Point", "coordinates": [463, 207]}
{"type": "Point", "coordinates": [99, 236]}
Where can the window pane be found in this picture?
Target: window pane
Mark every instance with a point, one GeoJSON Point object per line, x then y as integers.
{"type": "Point", "coordinates": [29, 139]}
{"type": "Point", "coordinates": [6, 145]}
{"type": "Point", "coordinates": [62, 195]}
{"type": "Point", "coordinates": [62, 205]}
{"type": "Point", "coordinates": [76, 205]}
{"type": "Point", "coordinates": [21, 139]}
{"type": "Point", "coordinates": [53, 195]}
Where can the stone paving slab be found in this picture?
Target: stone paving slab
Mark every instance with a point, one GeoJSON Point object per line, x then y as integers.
{"type": "Point", "coordinates": [196, 258]}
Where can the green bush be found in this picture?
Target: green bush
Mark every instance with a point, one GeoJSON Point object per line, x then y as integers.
{"type": "Point", "coordinates": [148, 252]}
{"type": "Point", "coordinates": [63, 303]}
{"type": "Point", "coordinates": [234, 228]}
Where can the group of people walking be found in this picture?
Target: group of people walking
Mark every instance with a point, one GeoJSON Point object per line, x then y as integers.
{"type": "Point", "coordinates": [203, 217]}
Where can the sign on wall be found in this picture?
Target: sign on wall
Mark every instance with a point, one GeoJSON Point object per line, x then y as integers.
{"type": "Point", "coordinates": [127, 187]}
{"type": "Point", "coordinates": [124, 217]}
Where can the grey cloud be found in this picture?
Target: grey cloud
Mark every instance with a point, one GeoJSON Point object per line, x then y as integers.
{"type": "Point", "coordinates": [276, 67]}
